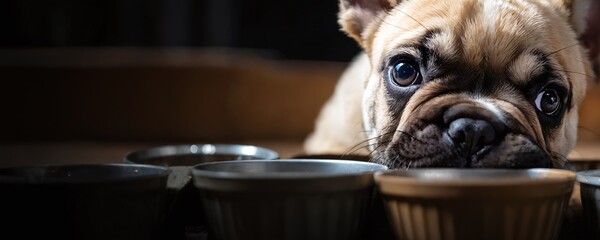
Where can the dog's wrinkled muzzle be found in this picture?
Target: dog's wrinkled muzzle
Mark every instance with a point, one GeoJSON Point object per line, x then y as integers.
{"type": "Point", "coordinates": [463, 134]}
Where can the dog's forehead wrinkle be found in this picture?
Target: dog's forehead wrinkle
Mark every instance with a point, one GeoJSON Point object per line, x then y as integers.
{"type": "Point", "coordinates": [501, 30]}
{"type": "Point", "coordinates": [524, 115]}
{"type": "Point", "coordinates": [420, 21]}
{"type": "Point", "coordinates": [490, 106]}
{"type": "Point", "coordinates": [525, 67]}
{"type": "Point", "coordinates": [545, 73]}
{"type": "Point", "coordinates": [444, 44]}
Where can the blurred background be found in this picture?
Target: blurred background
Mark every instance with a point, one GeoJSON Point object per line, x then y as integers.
{"type": "Point", "coordinates": [89, 75]}
{"type": "Point", "coordinates": [304, 30]}
{"type": "Point", "coordinates": [89, 80]}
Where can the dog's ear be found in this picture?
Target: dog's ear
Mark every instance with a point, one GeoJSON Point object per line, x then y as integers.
{"type": "Point", "coordinates": [356, 16]}
{"type": "Point", "coordinates": [585, 18]}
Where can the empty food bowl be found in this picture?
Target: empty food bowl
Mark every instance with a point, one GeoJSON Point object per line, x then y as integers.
{"type": "Point", "coordinates": [286, 199]}
{"type": "Point", "coordinates": [475, 203]}
{"type": "Point", "coordinates": [180, 158]}
{"type": "Point", "coordinates": [96, 201]}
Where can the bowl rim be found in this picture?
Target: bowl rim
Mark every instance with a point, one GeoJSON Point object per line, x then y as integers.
{"type": "Point", "coordinates": [546, 176]}
{"type": "Point", "coordinates": [544, 183]}
{"type": "Point", "coordinates": [196, 172]}
{"type": "Point", "coordinates": [138, 156]}
{"type": "Point", "coordinates": [591, 177]}
{"type": "Point", "coordinates": [162, 172]}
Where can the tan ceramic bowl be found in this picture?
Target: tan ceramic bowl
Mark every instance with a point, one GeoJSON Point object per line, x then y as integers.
{"type": "Point", "coordinates": [475, 203]}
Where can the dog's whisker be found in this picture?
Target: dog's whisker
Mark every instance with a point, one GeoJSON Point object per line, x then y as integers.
{"type": "Point", "coordinates": [411, 136]}
{"type": "Point", "coordinates": [589, 130]}
{"type": "Point", "coordinates": [396, 161]}
{"type": "Point", "coordinates": [393, 25]}
{"type": "Point", "coordinates": [411, 17]}
{"type": "Point", "coordinates": [567, 71]}
{"type": "Point", "coordinates": [409, 164]}
{"type": "Point", "coordinates": [560, 49]}
{"type": "Point", "coordinates": [378, 145]}
{"type": "Point", "coordinates": [582, 60]}
{"type": "Point", "coordinates": [358, 147]}
{"type": "Point", "coordinates": [561, 161]}
{"type": "Point", "coordinates": [364, 144]}
{"type": "Point", "coordinates": [383, 134]}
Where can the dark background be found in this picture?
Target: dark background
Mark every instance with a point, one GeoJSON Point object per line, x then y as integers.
{"type": "Point", "coordinates": [167, 70]}
{"type": "Point", "coordinates": [304, 30]}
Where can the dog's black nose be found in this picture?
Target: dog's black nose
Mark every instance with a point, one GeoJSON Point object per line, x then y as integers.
{"type": "Point", "coordinates": [471, 134]}
{"type": "Point", "coordinates": [472, 127]}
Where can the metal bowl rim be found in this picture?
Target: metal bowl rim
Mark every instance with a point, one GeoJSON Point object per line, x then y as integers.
{"type": "Point", "coordinates": [153, 152]}
{"type": "Point", "coordinates": [590, 177]}
{"type": "Point", "coordinates": [284, 175]}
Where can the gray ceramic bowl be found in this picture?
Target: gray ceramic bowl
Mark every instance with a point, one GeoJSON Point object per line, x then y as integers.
{"type": "Point", "coordinates": [286, 199]}
{"type": "Point", "coordinates": [96, 201]}
{"type": "Point", "coordinates": [590, 199]}
{"type": "Point", "coordinates": [183, 220]}
{"type": "Point", "coordinates": [476, 203]}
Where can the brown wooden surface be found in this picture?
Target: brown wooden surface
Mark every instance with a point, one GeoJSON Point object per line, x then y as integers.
{"type": "Point", "coordinates": [141, 95]}
{"type": "Point", "coordinates": [589, 114]}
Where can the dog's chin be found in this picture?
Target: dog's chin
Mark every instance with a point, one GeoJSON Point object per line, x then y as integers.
{"type": "Point", "coordinates": [430, 146]}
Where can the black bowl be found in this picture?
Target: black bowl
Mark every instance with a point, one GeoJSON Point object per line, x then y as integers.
{"type": "Point", "coordinates": [96, 201]}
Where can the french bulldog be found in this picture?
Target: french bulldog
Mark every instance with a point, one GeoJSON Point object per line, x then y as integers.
{"type": "Point", "coordinates": [460, 83]}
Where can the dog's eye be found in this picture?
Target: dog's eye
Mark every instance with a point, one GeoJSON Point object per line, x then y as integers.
{"type": "Point", "coordinates": [405, 73]}
{"type": "Point", "coordinates": [548, 101]}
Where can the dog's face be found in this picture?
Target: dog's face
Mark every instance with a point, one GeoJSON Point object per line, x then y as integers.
{"type": "Point", "coordinates": [470, 83]}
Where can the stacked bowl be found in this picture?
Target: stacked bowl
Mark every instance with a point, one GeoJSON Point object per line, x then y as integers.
{"type": "Point", "coordinates": [185, 218]}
